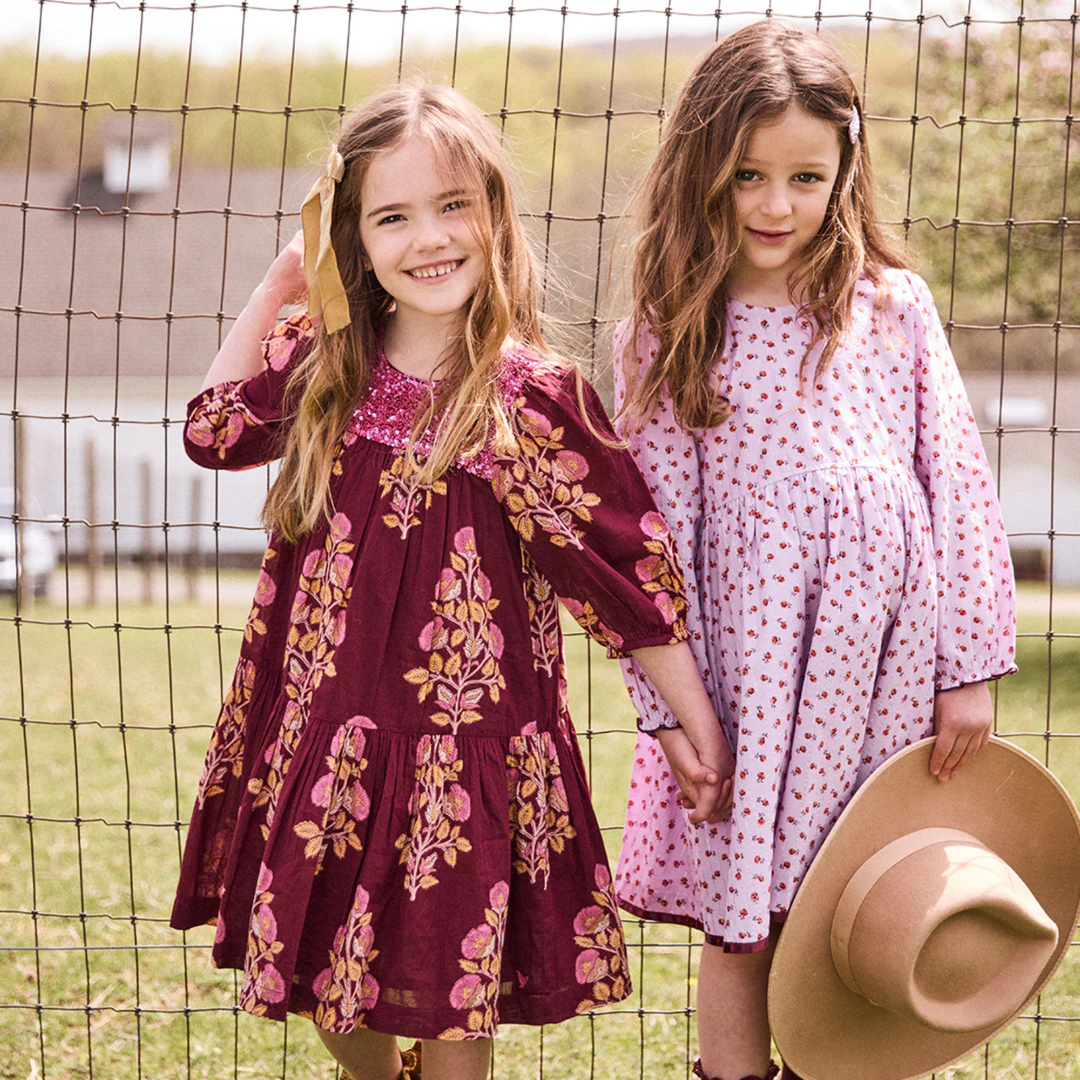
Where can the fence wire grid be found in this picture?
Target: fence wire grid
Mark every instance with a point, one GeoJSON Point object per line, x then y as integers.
{"type": "Point", "coordinates": [152, 161]}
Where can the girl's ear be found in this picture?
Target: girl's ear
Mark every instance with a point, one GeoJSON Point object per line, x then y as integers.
{"type": "Point", "coordinates": [365, 261]}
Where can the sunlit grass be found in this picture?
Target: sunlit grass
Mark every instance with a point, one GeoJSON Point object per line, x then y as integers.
{"type": "Point", "coordinates": [143, 701]}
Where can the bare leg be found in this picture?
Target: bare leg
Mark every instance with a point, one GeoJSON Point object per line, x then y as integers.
{"type": "Point", "coordinates": [733, 1019]}
{"type": "Point", "coordinates": [363, 1054]}
{"type": "Point", "coordinates": [468, 1060]}
{"type": "Point", "coordinates": [370, 1055]}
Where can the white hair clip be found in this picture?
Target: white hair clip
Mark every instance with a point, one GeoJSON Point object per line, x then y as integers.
{"type": "Point", "coordinates": [854, 125]}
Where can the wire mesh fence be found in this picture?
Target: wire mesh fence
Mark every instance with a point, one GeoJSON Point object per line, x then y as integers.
{"type": "Point", "coordinates": [152, 161]}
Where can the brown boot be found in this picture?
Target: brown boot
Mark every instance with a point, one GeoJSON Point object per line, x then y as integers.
{"type": "Point", "coordinates": [770, 1073]}
{"type": "Point", "coordinates": [410, 1062]}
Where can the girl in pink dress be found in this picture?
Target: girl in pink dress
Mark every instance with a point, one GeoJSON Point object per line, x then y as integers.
{"type": "Point", "coordinates": [392, 832]}
{"type": "Point", "coordinates": [791, 400]}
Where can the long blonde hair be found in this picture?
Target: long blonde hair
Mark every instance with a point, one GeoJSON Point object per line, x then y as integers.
{"type": "Point", "coordinates": [329, 382]}
{"type": "Point", "coordinates": [689, 233]}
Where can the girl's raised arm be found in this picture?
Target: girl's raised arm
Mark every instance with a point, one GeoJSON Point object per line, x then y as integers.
{"type": "Point", "coordinates": [240, 355]}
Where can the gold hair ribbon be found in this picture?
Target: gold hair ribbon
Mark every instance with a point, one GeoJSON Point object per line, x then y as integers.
{"type": "Point", "coordinates": [326, 293]}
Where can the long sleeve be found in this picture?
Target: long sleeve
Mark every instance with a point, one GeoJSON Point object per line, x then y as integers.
{"type": "Point", "coordinates": [585, 518]}
{"type": "Point", "coordinates": [668, 459]}
{"type": "Point", "coordinates": [237, 425]}
{"type": "Point", "coordinates": [976, 628]}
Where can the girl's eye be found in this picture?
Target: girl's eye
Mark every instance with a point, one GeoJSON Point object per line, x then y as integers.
{"type": "Point", "coordinates": [745, 175]}
{"type": "Point", "coordinates": [390, 218]}
{"type": "Point", "coordinates": [807, 178]}
{"type": "Point", "coordinates": [457, 204]}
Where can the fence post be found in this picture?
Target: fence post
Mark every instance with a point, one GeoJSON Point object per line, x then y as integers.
{"type": "Point", "coordinates": [23, 588]}
{"type": "Point", "coordinates": [146, 474]}
{"type": "Point", "coordinates": [93, 549]}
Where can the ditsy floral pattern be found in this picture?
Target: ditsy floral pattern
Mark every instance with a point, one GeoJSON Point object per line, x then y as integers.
{"type": "Point", "coordinates": [845, 558]}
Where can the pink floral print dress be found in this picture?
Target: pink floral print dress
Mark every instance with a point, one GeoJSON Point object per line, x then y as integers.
{"type": "Point", "coordinates": [845, 558]}
{"type": "Point", "coordinates": [393, 828]}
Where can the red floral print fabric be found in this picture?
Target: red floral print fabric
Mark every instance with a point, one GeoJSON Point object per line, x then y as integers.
{"type": "Point", "coordinates": [845, 558]}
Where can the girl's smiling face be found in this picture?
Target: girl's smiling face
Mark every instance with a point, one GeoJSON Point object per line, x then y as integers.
{"type": "Point", "coordinates": [782, 190]}
{"type": "Point", "coordinates": [421, 233]}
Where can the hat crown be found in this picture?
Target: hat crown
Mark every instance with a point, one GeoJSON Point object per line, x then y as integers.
{"type": "Point", "coordinates": [937, 928]}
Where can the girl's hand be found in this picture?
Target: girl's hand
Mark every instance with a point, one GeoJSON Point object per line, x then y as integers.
{"type": "Point", "coordinates": [963, 719]}
{"type": "Point", "coordinates": [285, 281]}
{"type": "Point", "coordinates": [704, 789]}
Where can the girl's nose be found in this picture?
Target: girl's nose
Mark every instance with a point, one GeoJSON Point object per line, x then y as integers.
{"type": "Point", "coordinates": [432, 234]}
{"type": "Point", "coordinates": [776, 203]}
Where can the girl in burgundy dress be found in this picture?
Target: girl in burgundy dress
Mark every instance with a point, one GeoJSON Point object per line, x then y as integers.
{"type": "Point", "coordinates": [791, 400]}
{"type": "Point", "coordinates": [392, 831]}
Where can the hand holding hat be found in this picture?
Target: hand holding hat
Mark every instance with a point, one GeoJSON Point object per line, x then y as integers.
{"type": "Point", "coordinates": [931, 916]}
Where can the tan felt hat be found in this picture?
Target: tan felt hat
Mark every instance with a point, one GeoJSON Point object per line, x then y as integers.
{"type": "Point", "coordinates": [931, 916]}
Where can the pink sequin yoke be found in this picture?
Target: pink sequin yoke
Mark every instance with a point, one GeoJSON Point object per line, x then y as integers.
{"type": "Point", "coordinates": [386, 414]}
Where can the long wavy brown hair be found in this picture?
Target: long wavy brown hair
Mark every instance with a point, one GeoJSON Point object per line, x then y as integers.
{"type": "Point", "coordinates": [466, 406]}
{"type": "Point", "coordinates": [688, 227]}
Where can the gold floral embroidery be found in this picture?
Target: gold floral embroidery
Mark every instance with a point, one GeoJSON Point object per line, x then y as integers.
{"type": "Point", "coordinates": [543, 607]}
{"type": "Point", "coordinates": [263, 984]}
{"type": "Point", "coordinates": [219, 419]}
{"type": "Point", "coordinates": [226, 752]}
{"type": "Point", "coordinates": [541, 484]}
{"type": "Point", "coordinates": [464, 642]}
{"type": "Point", "coordinates": [265, 591]}
{"type": "Point", "coordinates": [601, 964]}
{"type": "Point", "coordinates": [477, 991]}
{"type": "Point", "coordinates": [438, 806]}
{"type": "Point", "coordinates": [659, 572]}
{"type": "Point", "coordinates": [539, 812]}
{"type": "Point", "coordinates": [341, 794]}
{"type": "Point", "coordinates": [317, 629]}
{"type": "Point", "coordinates": [406, 496]}
{"type": "Point", "coordinates": [588, 620]}
{"type": "Point", "coordinates": [346, 989]}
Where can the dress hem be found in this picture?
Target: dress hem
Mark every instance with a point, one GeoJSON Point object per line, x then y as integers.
{"type": "Point", "coordinates": [555, 1011]}
{"type": "Point", "coordinates": [776, 918]}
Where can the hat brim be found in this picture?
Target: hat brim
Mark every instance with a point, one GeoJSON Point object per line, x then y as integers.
{"type": "Point", "coordinates": [1007, 800]}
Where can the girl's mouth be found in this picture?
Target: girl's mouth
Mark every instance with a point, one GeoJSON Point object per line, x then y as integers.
{"type": "Point", "coordinates": [770, 239]}
{"type": "Point", "coordinates": [435, 270]}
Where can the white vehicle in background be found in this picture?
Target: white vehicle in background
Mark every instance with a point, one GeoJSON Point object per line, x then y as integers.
{"type": "Point", "coordinates": [38, 554]}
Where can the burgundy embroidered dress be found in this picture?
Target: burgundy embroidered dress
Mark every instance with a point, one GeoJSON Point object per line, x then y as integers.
{"type": "Point", "coordinates": [845, 557]}
{"type": "Point", "coordinates": [393, 827]}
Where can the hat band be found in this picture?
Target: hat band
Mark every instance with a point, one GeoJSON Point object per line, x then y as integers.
{"type": "Point", "coordinates": [937, 928]}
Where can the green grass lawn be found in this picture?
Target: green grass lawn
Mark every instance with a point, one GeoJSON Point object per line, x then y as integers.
{"type": "Point", "coordinates": [117, 722]}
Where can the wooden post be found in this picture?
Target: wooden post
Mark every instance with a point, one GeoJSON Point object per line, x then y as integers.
{"type": "Point", "coordinates": [24, 588]}
{"type": "Point", "coordinates": [146, 472]}
{"type": "Point", "coordinates": [195, 544]}
{"type": "Point", "coordinates": [93, 548]}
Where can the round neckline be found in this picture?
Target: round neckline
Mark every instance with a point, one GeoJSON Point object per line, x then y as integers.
{"type": "Point", "coordinates": [418, 379]}
{"type": "Point", "coordinates": [382, 358]}
{"type": "Point", "coordinates": [763, 307]}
